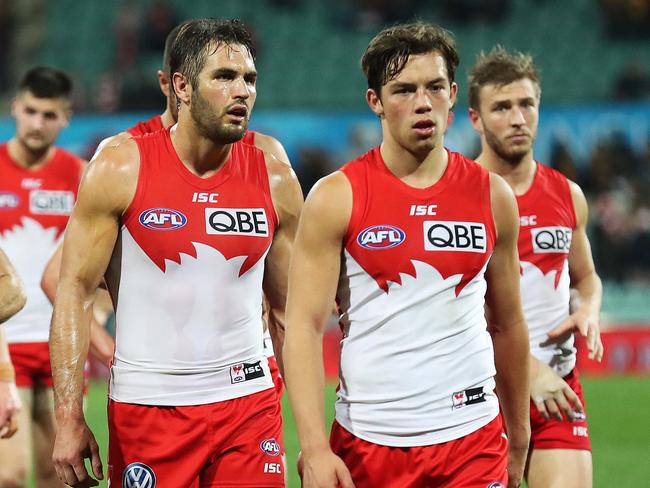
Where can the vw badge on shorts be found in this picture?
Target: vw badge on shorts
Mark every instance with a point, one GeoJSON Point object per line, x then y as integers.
{"type": "Point", "coordinates": [138, 475]}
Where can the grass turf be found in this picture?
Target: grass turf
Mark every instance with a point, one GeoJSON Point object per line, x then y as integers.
{"type": "Point", "coordinates": [619, 421]}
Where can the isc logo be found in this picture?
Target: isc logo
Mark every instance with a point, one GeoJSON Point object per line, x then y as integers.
{"type": "Point", "coordinates": [51, 202]}
{"type": "Point", "coordinates": [381, 237]}
{"type": "Point", "coordinates": [162, 219]}
{"type": "Point", "coordinates": [245, 371]}
{"type": "Point", "coordinates": [237, 221]}
{"type": "Point", "coordinates": [551, 240]}
{"type": "Point", "coordinates": [203, 197]}
{"type": "Point", "coordinates": [454, 236]}
{"type": "Point", "coordinates": [8, 200]}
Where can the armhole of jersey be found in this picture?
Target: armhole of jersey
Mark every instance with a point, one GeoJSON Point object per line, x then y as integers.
{"type": "Point", "coordinates": [355, 212]}
{"type": "Point", "coordinates": [572, 207]}
{"type": "Point", "coordinates": [140, 185]}
{"type": "Point", "coordinates": [266, 183]}
{"type": "Point", "coordinates": [489, 214]}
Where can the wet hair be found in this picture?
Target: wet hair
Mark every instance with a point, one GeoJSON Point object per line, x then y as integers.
{"type": "Point", "coordinates": [500, 67]}
{"type": "Point", "coordinates": [389, 51]}
{"type": "Point", "coordinates": [46, 82]}
{"type": "Point", "coordinates": [190, 49]}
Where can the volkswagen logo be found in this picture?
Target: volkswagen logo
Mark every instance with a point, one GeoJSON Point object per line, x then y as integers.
{"type": "Point", "coordinates": [138, 475]}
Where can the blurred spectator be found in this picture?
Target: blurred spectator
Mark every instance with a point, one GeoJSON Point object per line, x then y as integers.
{"type": "Point", "coordinates": [6, 36]}
{"type": "Point", "coordinates": [127, 25]}
{"type": "Point", "coordinates": [633, 83]}
{"type": "Point", "coordinates": [475, 10]}
{"type": "Point", "coordinates": [160, 19]}
{"type": "Point", "coordinates": [313, 163]}
{"type": "Point", "coordinates": [627, 18]}
{"type": "Point", "coordinates": [562, 160]}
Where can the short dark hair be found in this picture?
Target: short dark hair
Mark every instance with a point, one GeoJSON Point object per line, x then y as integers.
{"type": "Point", "coordinates": [46, 82]}
{"type": "Point", "coordinates": [190, 48]}
{"type": "Point", "coordinates": [169, 40]}
{"type": "Point", "coordinates": [389, 51]}
{"type": "Point", "coordinates": [500, 67]}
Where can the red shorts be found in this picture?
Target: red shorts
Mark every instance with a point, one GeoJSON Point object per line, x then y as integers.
{"type": "Point", "coordinates": [555, 434]}
{"type": "Point", "coordinates": [31, 362]}
{"type": "Point", "coordinates": [236, 442]}
{"type": "Point", "coordinates": [478, 460]}
{"type": "Point", "coordinates": [276, 377]}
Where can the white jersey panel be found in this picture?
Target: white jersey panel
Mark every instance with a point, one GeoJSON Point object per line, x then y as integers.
{"type": "Point", "coordinates": [29, 247]}
{"type": "Point", "coordinates": [401, 350]}
{"type": "Point", "coordinates": [546, 307]}
{"type": "Point", "coordinates": [195, 338]}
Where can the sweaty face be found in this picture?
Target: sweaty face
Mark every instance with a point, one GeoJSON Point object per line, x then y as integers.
{"type": "Point", "coordinates": [415, 105]}
{"type": "Point", "coordinates": [39, 120]}
{"type": "Point", "coordinates": [509, 116]}
{"type": "Point", "coordinates": [222, 101]}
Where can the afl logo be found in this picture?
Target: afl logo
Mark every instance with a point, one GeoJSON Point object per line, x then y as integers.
{"type": "Point", "coordinates": [270, 447]}
{"type": "Point", "coordinates": [138, 475]}
{"type": "Point", "coordinates": [381, 237]}
{"type": "Point", "coordinates": [8, 200]}
{"type": "Point", "coordinates": [162, 219]}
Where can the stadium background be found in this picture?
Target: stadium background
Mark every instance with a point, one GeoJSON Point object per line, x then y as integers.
{"type": "Point", "coordinates": [594, 126]}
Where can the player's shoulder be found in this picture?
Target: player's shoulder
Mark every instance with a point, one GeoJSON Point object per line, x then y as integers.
{"type": "Point", "coordinates": [119, 157]}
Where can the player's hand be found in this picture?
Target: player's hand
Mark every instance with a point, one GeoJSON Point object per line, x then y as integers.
{"type": "Point", "coordinates": [323, 469]}
{"type": "Point", "coordinates": [9, 407]}
{"type": "Point", "coordinates": [587, 324]}
{"type": "Point", "coordinates": [552, 395]}
{"type": "Point", "coordinates": [74, 443]}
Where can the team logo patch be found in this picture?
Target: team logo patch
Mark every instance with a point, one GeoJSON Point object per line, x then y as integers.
{"type": "Point", "coordinates": [51, 202]}
{"type": "Point", "coordinates": [471, 396]}
{"type": "Point", "coordinates": [551, 240]}
{"type": "Point", "coordinates": [454, 236]}
{"type": "Point", "coordinates": [237, 222]}
{"type": "Point", "coordinates": [8, 200]}
{"type": "Point", "coordinates": [245, 371]}
{"type": "Point", "coordinates": [496, 484]}
{"type": "Point", "coordinates": [162, 219]}
{"type": "Point", "coordinates": [270, 447]}
{"type": "Point", "coordinates": [138, 475]}
{"type": "Point", "coordinates": [381, 237]}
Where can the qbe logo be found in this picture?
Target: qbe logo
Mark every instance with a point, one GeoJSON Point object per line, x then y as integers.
{"type": "Point", "coordinates": [381, 237]}
{"type": "Point", "coordinates": [270, 447]}
{"type": "Point", "coordinates": [237, 221]}
{"type": "Point", "coordinates": [551, 240]}
{"type": "Point", "coordinates": [51, 202]}
{"type": "Point", "coordinates": [454, 236]}
{"type": "Point", "coordinates": [138, 475]}
{"type": "Point", "coordinates": [245, 371]}
{"type": "Point", "coordinates": [162, 219]}
{"type": "Point", "coordinates": [8, 200]}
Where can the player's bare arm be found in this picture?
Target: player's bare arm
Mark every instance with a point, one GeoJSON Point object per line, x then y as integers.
{"type": "Point", "coordinates": [105, 192]}
{"type": "Point", "coordinates": [586, 317]}
{"type": "Point", "coordinates": [102, 344]}
{"type": "Point", "coordinates": [508, 328]}
{"type": "Point", "coordinates": [288, 201]}
{"type": "Point", "coordinates": [313, 279]}
{"type": "Point", "coordinates": [12, 300]}
{"type": "Point", "coordinates": [271, 145]}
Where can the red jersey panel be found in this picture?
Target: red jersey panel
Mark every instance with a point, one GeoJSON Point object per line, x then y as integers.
{"type": "Point", "coordinates": [249, 138]}
{"type": "Point", "coordinates": [411, 295]}
{"type": "Point", "coordinates": [191, 262]}
{"type": "Point", "coordinates": [34, 210]}
{"type": "Point", "coordinates": [547, 220]}
{"type": "Point", "coordinates": [154, 124]}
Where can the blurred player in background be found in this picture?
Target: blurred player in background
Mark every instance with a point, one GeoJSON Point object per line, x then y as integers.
{"type": "Point", "coordinates": [37, 192]}
{"type": "Point", "coordinates": [189, 372]}
{"type": "Point", "coordinates": [504, 97]}
{"type": "Point", "coordinates": [413, 240]}
{"type": "Point", "coordinates": [12, 300]}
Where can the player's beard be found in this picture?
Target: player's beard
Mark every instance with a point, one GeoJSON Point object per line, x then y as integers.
{"type": "Point", "coordinates": [35, 147]}
{"type": "Point", "coordinates": [513, 155]}
{"type": "Point", "coordinates": [209, 123]}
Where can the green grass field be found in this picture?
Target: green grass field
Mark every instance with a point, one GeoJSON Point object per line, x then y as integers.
{"type": "Point", "coordinates": [619, 418]}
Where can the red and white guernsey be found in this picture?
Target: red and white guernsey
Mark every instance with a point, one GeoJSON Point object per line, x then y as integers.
{"type": "Point", "coordinates": [417, 363]}
{"type": "Point", "coordinates": [190, 260]}
{"type": "Point", "coordinates": [154, 124]}
{"type": "Point", "coordinates": [34, 210]}
{"type": "Point", "coordinates": [547, 220]}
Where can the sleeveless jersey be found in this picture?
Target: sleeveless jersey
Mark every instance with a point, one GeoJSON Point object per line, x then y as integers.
{"type": "Point", "coordinates": [34, 210]}
{"type": "Point", "coordinates": [249, 138]}
{"type": "Point", "coordinates": [417, 363]}
{"type": "Point", "coordinates": [154, 124]}
{"type": "Point", "coordinates": [547, 222]}
{"type": "Point", "coordinates": [190, 260]}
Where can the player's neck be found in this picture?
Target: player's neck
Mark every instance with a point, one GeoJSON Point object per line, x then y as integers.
{"type": "Point", "coordinates": [200, 155]}
{"type": "Point", "coordinates": [167, 118]}
{"type": "Point", "coordinates": [416, 170]}
{"type": "Point", "coordinates": [25, 157]}
{"type": "Point", "coordinates": [518, 174]}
